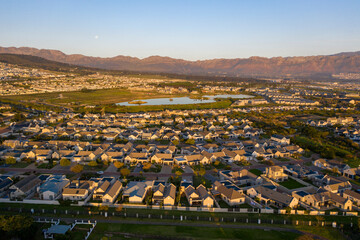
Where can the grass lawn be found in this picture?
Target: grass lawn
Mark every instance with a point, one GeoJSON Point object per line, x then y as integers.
{"type": "Point", "coordinates": [20, 165]}
{"type": "Point", "coordinates": [221, 165]}
{"type": "Point", "coordinates": [177, 168]}
{"type": "Point", "coordinates": [291, 184]}
{"type": "Point", "coordinates": [245, 205]}
{"type": "Point", "coordinates": [184, 202]}
{"type": "Point", "coordinates": [201, 180]}
{"type": "Point", "coordinates": [326, 232]}
{"type": "Point", "coordinates": [96, 168]}
{"type": "Point", "coordinates": [79, 231]}
{"type": "Point", "coordinates": [45, 166]}
{"type": "Point", "coordinates": [355, 182]}
{"type": "Point", "coordinates": [223, 204]}
{"type": "Point", "coordinates": [283, 159]}
{"type": "Point", "coordinates": [118, 231]}
{"type": "Point", "coordinates": [69, 176]}
{"type": "Point", "coordinates": [255, 171]}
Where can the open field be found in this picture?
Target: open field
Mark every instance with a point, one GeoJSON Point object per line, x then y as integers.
{"type": "Point", "coordinates": [104, 98]}
{"type": "Point", "coordinates": [90, 97]}
{"type": "Point", "coordinates": [118, 231]}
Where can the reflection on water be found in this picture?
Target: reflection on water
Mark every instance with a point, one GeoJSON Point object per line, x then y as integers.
{"type": "Point", "coordinates": [181, 100]}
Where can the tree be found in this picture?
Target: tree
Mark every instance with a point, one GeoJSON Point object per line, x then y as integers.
{"type": "Point", "coordinates": [147, 166]}
{"type": "Point", "coordinates": [10, 160]}
{"type": "Point", "coordinates": [178, 173]}
{"type": "Point", "coordinates": [65, 162]}
{"type": "Point", "coordinates": [119, 208]}
{"type": "Point", "coordinates": [190, 141]}
{"type": "Point", "coordinates": [15, 223]}
{"type": "Point", "coordinates": [103, 208]}
{"type": "Point", "coordinates": [18, 117]}
{"type": "Point", "coordinates": [92, 164]}
{"type": "Point", "coordinates": [118, 164]}
{"type": "Point", "coordinates": [225, 136]}
{"type": "Point", "coordinates": [125, 172]}
{"type": "Point", "coordinates": [202, 172]}
{"type": "Point", "coordinates": [175, 142]}
{"type": "Point", "coordinates": [77, 168]}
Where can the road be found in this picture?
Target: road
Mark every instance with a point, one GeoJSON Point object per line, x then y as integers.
{"type": "Point", "coordinates": [171, 223]}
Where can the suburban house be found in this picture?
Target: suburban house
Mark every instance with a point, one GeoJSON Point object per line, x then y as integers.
{"type": "Point", "coordinates": [276, 173]}
{"type": "Point", "coordinates": [24, 187]}
{"type": "Point", "coordinates": [164, 194]}
{"type": "Point", "coordinates": [198, 196]}
{"type": "Point", "coordinates": [136, 191]}
{"type": "Point", "coordinates": [52, 188]}
{"type": "Point", "coordinates": [280, 139]}
{"type": "Point", "coordinates": [112, 193]}
{"type": "Point", "coordinates": [338, 187]}
{"type": "Point", "coordinates": [353, 196]}
{"type": "Point", "coordinates": [78, 190]}
{"type": "Point", "coordinates": [352, 172]}
{"type": "Point", "coordinates": [162, 158]}
{"type": "Point", "coordinates": [270, 197]}
{"type": "Point", "coordinates": [325, 200]}
{"type": "Point", "coordinates": [99, 192]}
{"type": "Point", "coordinates": [229, 195]}
{"type": "Point", "coordinates": [5, 183]}
{"type": "Point", "coordinates": [242, 177]}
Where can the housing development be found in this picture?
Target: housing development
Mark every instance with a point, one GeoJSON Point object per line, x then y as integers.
{"type": "Point", "coordinates": [180, 120]}
{"type": "Point", "coordinates": [257, 153]}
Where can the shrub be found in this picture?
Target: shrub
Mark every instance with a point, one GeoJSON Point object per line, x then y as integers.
{"type": "Point", "coordinates": [77, 168]}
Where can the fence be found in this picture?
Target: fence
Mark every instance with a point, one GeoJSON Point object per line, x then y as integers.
{"type": "Point", "coordinates": [228, 218]}
{"type": "Point", "coordinates": [189, 209]}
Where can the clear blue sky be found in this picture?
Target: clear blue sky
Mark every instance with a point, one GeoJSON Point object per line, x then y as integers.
{"type": "Point", "coordinates": [189, 29]}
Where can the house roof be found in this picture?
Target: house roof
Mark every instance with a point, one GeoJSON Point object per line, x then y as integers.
{"type": "Point", "coordinates": [274, 195]}
{"type": "Point", "coordinates": [114, 189]}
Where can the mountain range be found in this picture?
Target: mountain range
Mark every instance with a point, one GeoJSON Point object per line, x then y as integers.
{"type": "Point", "coordinates": [323, 65]}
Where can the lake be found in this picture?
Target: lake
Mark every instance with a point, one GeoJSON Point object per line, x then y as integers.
{"type": "Point", "coordinates": [182, 100]}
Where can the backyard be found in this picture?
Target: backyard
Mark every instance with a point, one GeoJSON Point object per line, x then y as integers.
{"type": "Point", "coordinates": [291, 184]}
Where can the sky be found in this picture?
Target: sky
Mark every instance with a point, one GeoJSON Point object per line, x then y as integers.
{"type": "Point", "coordinates": [187, 29]}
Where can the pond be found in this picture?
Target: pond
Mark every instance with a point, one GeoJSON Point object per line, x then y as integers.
{"type": "Point", "coordinates": [181, 100]}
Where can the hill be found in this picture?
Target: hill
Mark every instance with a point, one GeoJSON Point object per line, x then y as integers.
{"type": "Point", "coordinates": [42, 63]}
{"type": "Point", "coordinates": [253, 66]}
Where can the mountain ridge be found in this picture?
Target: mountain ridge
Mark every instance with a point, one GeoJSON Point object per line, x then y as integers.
{"type": "Point", "coordinates": [254, 66]}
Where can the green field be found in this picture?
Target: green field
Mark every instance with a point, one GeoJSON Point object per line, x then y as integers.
{"type": "Point", "coordinates": [118, 231]}
{"type": "Point", "coordinates": [103, 98]}
{"type": "Point", "coordinates": [91, 97]}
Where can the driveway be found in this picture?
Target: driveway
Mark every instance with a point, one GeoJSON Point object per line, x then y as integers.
{"type": "Point", "coordinates": [59, 167]}
{"type": "Point", "coordinates": [188, 169]}
{"type": "Point", "coordinates": [31, 166]}
{"type": "Point", "coordinates": [166, 169]}
{"type": "Point", "coordinates": [138, 169]}
{"type": "Point", "coordinates": [111, 168]}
